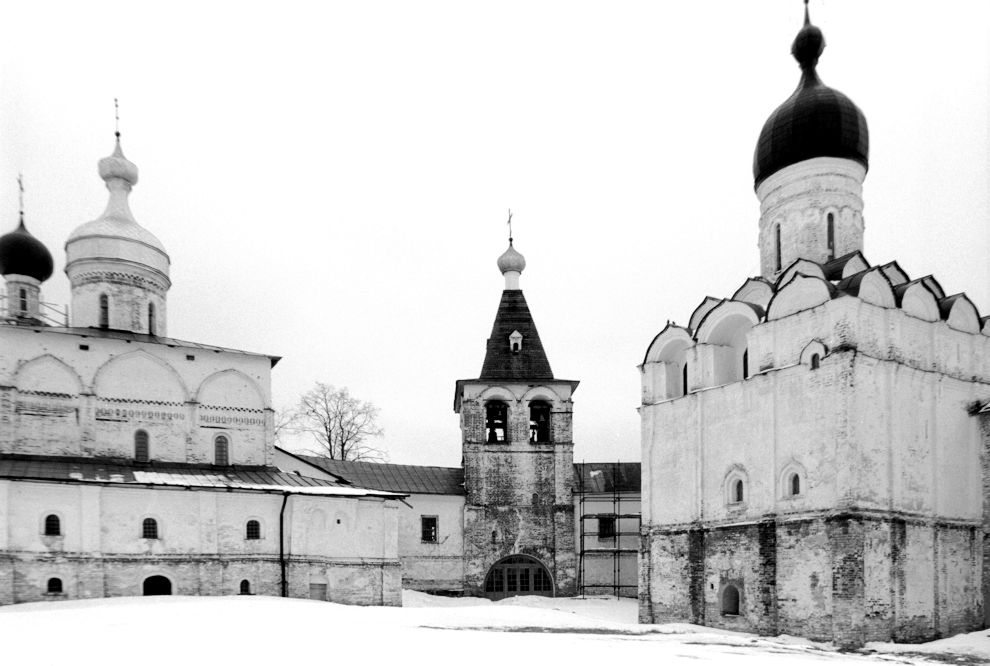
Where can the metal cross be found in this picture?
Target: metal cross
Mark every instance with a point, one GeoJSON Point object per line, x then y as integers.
{"type": "Point", "coordinates": [116, 118]}
{"type": "Point", "coordinates": [510, 225]}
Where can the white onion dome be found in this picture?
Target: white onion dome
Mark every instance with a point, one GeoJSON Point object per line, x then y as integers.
{"type": "Point", "coordinates": [115, 235]}
{"type": "Point", "coordinates": [511, 261]}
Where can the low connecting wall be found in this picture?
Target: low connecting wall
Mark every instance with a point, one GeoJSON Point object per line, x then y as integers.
{"type": "Point", "coordinates": [847, 578]}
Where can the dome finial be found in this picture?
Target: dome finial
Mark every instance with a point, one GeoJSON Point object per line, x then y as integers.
{"type": "Point", "coordinates": [116, 119]}
{"type": "Point", "coordinates": [808, 45]}
{"type": "Point", "coordinates": [510, 226]}
{"type": "Point", "coordinates": [20, 196]}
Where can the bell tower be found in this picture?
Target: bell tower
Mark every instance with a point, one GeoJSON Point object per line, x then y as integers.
{"type": "Point", "coordinates": [518, 457]}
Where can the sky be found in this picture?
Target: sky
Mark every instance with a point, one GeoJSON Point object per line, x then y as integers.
{"type": "Point", "coordinates": [332, 180]}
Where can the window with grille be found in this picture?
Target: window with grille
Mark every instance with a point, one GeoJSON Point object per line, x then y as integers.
{"type": "Point", "coordinates": [221, 448]}
{"type": "Point", "coordinates": [53, 526]}
{"type": "Point", "coordinates": [539, 421]}
{"type": "Point", "coordinates": [245, 587]}
{"type": "Point", "coordinates": [253, 530]}
{"type": "Point", "coordinates": [54, 586]}
{"type": "Point", "coordinates": [149, 528]}
{"type": "Point", "coordinates": [496, 415]}
{"type": "Point", "coordinates": [429, 525]}
{"type": "Point", "coordinates": [141, 451]}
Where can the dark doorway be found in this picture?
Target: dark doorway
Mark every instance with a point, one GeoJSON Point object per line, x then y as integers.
{"type": "Point", "coordinates": [157, 585]}
{"type": "Point", "coordinates": [518, 574]}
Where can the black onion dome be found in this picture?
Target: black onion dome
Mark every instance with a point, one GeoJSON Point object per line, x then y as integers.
{"type": "Point", "coordinates": [816, 121]}
{"type": "Point", "coordinates": [23, 254]}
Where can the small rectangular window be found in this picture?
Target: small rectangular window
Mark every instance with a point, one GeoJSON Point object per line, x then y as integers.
{"type": "Point", "coordinates": [318, 591]}
{"type": "Point", "coordinates": [429, 528]}
{"type": "Point", "coordinates": [84, 347]}
{"type": "Point", "coordinates": [190, 357]}
{"type": "Point", "coordinates": [606, 528]}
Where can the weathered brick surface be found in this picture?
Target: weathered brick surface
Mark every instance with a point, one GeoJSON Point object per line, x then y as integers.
{"type": "Point", "coordinates": [847, 578]}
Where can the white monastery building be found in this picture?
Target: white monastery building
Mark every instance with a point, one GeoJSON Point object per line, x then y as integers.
{"type": "Point", "coordinates": [814, 447]}
{"type": "Point", "coordinates": [132, 463]}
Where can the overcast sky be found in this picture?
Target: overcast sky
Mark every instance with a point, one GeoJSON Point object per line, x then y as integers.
{"type": "Point", "coordinates": [331, 180]}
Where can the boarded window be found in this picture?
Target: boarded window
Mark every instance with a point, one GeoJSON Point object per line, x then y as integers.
{"type": "Point", "coordinates": [141, 452]}
{"type": "Point", "coordinates": [496, 415]}
{"type": "Point", "coordinates": [149, 529]}
{"type": "Point", "coordinates": [54, 586]}
{"type": "Point", "coordinates": [606, 527]}
{"type": "Point", "coordinates": [429, 526]}
{"type": "Point", "coordinates": [253, 530]}
{"type": "Point", "coordinates": [53, 526]}
{"type": "Point", "coordinates": [221, 446]}
{"type": "Point", "coordinates": [318, 591]}
{"type": "Point", "coordinates": [539, 421]}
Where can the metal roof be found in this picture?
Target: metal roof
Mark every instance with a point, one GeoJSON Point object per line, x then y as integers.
{"type": "Point", "coordinates": [119, 472]}
{"type": "Point", "coordinates": [115, 334]}
{"type": "Point", "coordinates": [395, 478]}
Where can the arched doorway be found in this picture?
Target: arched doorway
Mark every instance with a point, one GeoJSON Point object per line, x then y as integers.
{"type": "Point", "coordinates": [518, 574]}
{"type": "Point", "coordinates": [157, 585]}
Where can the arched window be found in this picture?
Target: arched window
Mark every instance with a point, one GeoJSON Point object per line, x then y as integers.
{"type": "Point", "coordinates": [745, 362]}
{"type": "Point", "coordinates": [253, 530]}
{"type": "Point", "coordinates": [151, 318]}
{"type": "Point", "coordinates": [149, 529]}
{"type": "Point", "coordinates": [221, 446]}
{"type": "Point", "coordinates": [684, 375]}
{"type": "Point", "coordinates": [53, 526]}
{"type": "Point", "coordinates": [795, 484]}
{"type": "Point", "coordinates": [24, 300]}
{"type": "Point", "coordinates": [245, 587]}
{"type": "Point", "coordinates": [141, 453]}
{"type": "Point", "coordinates": [539, 421]}
{"type": "Point", "coordinates": [831, 235]}
{"type": "Point", "coordinates": [730, 600]}
{"type": "Point", "coordinates": [54, 586]}
{"type": "Point", "coordinates": [816, 361]}
{"type": "Point", "coordinates": [496, 415]}
{"type": "Point", "coordinates": [737, 490]}
{"type": "Point", "coordinates": [104, 311]}
{"type": "Point", "coordinates": [776, 246]}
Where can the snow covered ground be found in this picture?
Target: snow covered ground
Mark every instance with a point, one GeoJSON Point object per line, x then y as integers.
{"type": "Point", "coordinates": [428, 630]}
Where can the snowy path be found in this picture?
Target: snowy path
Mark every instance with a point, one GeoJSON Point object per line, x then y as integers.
{"type": "Point", "coordinates": [428, 630]}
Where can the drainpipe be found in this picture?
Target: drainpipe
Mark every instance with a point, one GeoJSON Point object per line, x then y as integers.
{"type": "Point", "coordinates": [281, 544]}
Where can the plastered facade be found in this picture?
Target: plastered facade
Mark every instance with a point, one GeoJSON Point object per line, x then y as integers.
{"type": "Point", "coordinates": [872, 407]}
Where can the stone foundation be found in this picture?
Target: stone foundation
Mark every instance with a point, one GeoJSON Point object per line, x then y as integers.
{"type": "Point", "coordinates": [24, 577]}
{"type": "Point", "coordinates": [847, 578]}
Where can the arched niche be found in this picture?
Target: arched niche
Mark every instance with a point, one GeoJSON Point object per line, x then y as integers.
{"type": "Point", "coordinates": [803, 292]}
{"type": "Point", "coordinates": [230, 388]}
{"type": "Point", "coordinates": [699, 313]}
{"type": "Point", "coordinates": [663, 367]}
{"type": "Point", "coordinates": [756, 291]}
{"type": "Point", "coordinates": [917, 300]}
{"type": "Point", "coordinates": [725, 330]}
{"type": "Point", "coordinates": [960, 313]}
{"type": "Point", "coordinates": [802, 267]}
{"type": "Point", "coordinates": [48, 374]}
{"type": "Point", "coordinates": [138, 375]}
{"type": "Point", "coordinates": [813, 353]}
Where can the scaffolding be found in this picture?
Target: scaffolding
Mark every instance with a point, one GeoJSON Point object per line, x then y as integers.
{"type": "Point", "coordinates": [612, 502]}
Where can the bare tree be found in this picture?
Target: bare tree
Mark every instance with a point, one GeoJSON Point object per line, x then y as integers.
{"type": "Point", "coordinates": [340, 424]}
{"type": "Point", "coordinates": [284, 422]}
